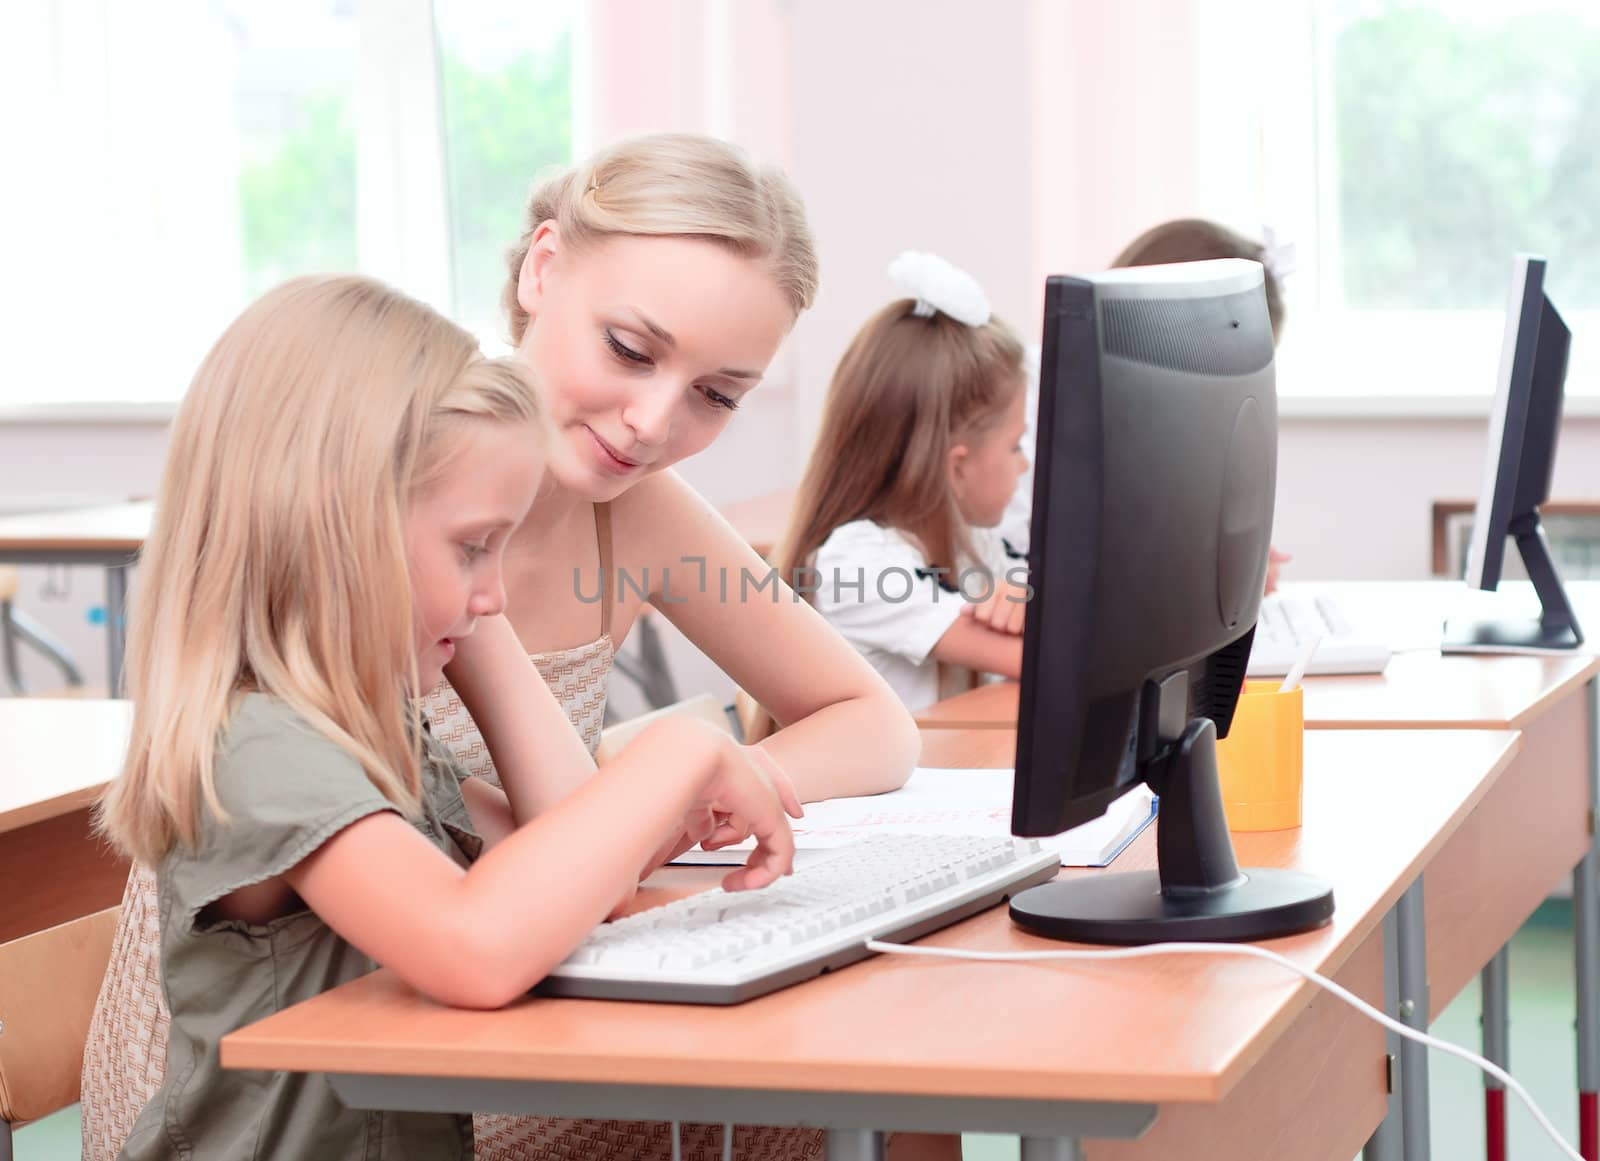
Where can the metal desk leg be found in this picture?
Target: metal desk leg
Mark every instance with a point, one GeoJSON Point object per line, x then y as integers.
{"type": "Point", "coordinates": [1412, 945]}
{"type": "Point", "coordinates": [1497, 1050]}
{"type": "Point", "coordinates": [1051, 1149]}
{"type": "Point", "coordinates": [116, 625]}
{"type": "Point", "coordinates": [5, 1141]}
{"type": "Point", "coordinates": [854, 1145]}
{"type": "Point", "coordinates": [1385, 1144]}
{"type": "Point", "coordinates": [1586, 938]}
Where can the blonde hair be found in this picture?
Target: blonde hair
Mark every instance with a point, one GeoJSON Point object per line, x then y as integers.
{"type": "Point", "coordinates": [908, 389]}
{"type": "Point", "coordinates": [1197, 240]}
{"type": "Point", "coordinates": [675, 184]}
{"type": "Point", "coordinates": [277, 558]}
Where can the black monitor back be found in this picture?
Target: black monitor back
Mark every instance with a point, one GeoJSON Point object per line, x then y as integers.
{"type": "Point", "coordinates": [1152, 510]}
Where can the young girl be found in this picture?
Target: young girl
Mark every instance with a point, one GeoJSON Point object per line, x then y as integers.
{"type": "Point", "coordinates": [916, 459]}
{"type": "Point", "coordinates": [1196, 240]}
{"type": "Point", "coordinates": [344, 475]}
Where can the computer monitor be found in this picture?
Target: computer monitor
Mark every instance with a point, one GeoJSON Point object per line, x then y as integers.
{"type": "Point", "coordinates": [1516, 475]}
{"type": "Point", "coordinates": [1152, 507]}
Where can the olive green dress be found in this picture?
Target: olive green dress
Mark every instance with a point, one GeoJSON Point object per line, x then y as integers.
{"type": "Point", "coordinates": [285, 790]}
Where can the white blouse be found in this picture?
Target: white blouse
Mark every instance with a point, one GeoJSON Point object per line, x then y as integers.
{"type": "Point", "coordinates": [873, 585]}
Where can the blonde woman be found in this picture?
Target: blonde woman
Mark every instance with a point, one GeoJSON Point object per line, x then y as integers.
{"type": "Point", "coordinates": [346, 471]}
{"type": "Point", "coordinates": [650, 289]}
{"type": "Point", "coordinates": [917, 457]}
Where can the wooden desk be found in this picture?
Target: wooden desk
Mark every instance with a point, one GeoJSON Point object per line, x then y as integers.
{"type": "Point", "coordinates": [55, 757]}
{"type": "Point", "coordinates": [1049, 1051]}
{"type": "Point", "coordinates": [1546, 697]}
{"type": "Point", "coordinates": [1468, 913]}
{"type": "Point", "coordinates": [111, 535]}
{"type": "Point", "coordinates": [992, 706]}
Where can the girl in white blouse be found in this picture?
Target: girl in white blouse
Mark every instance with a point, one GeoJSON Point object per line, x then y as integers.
{"type": "Point", "coordinates": [893, 536]}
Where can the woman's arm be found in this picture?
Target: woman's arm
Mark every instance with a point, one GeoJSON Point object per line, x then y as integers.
{"type": "Point", "coordinates": [537, 753]}
{"type": "Point", "coordinates": [845, 732]}
{"type": "Point", "coordinates": [482, 936]}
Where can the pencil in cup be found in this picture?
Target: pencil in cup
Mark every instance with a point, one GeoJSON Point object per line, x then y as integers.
{"type": "Point", "coordinates": [1261, 763]}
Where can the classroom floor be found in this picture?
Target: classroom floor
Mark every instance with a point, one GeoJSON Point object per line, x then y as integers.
{"type": "Point", "coordinates": [1542, 1058]}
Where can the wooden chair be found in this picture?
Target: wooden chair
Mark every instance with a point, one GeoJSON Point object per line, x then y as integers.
{"type": "Point", "coordinates": [703, 706]}
{"type": "Point", "coordinates": [48, 984]}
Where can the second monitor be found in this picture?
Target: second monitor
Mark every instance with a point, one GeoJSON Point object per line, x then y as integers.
{"type": "Point", "coordinates": [1523, 426]}
{"type": "Point", "coordinates": [1153, 500]}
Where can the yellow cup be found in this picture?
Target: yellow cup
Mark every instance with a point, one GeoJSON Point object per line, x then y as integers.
{"type": "Point", "coordinates": [1260, 764]}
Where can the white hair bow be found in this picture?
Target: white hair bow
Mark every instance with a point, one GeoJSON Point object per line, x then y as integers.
{"type": "Point", "coordinates": [1277, 254]}
{"type": "Point", "coordinates": [939, 286]}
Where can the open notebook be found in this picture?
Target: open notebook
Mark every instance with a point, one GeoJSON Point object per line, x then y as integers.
{"type": "Point", "coordinates": [942, 801]}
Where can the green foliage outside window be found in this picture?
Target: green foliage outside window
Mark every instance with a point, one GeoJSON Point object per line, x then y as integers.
{"type": "Point", "coordinates": [1460, 142]}
{"type": "Point", "coordinates": [502, 128]}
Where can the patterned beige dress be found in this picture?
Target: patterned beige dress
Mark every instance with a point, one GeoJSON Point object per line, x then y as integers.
{"type": "Point", "coordinates": [125, 1058]}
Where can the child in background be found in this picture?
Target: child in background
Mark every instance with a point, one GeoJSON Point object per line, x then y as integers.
{"type": "Point", "coordinates": [344, 474]}
{"type": "Point", "coordinates": [894, 534]}
{"type": "Point", "coordinates": [1179, 240]}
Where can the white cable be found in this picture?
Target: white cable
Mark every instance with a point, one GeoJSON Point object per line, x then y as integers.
{"type": "Point", "coordinates": [1251, 952]}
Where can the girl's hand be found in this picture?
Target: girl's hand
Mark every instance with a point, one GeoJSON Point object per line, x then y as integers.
{"type": "Point", "coordinates": [749, 796]}
{"type": "Point", "coordinates": [723, 831]}
{"type": "Point", "coordinates": [735, 791]}
{"type": "Point", "coordinates": [1275, 562]}
{"type": "Point", "coordinates": [1003, 611]}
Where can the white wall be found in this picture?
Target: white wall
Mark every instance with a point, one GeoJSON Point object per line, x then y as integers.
{"type": "Point", "coordinates": [1355, 497]}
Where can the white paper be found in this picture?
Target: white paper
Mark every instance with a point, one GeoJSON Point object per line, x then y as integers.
{"type": "Point", "coordinates": [944, 801]}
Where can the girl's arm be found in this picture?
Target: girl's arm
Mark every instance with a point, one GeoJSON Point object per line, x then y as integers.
{"type": "Point", "coordinates": [480, 937]}
{"type": "Point", "coordinates": [846, 731]}
{"type": "Point", "coordinates": [975, 645]}
{"type": "Point", "coordinates": [538, 755]}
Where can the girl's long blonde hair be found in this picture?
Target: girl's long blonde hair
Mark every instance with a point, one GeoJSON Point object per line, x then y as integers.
{"type": "Point", "coordinates": [681, 185]}
{"type": "Point", "coordinates": [908, 389]}
{"type": "Point", "coordinates": [277, 557]}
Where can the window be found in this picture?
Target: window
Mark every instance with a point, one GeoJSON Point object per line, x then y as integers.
{"type": "Point", "coordinates": [1460, 137]}
{"type": "Point", "coordinates": [1448, 137]}
{"type": "Point", "coordinates": [295, 71]}
{"type": "Point", "coordinates": [506, 86]}
{"type": "Point", "coordinates": [187, 156]}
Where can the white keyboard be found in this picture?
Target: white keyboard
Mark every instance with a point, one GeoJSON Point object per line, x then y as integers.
{"type": "Point", "coordinates": [724, 947]}
{"type": "Point", "coordinates": [1287, 623]}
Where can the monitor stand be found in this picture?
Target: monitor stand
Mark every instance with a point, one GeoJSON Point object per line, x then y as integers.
{"type": "Point", "coordinates": [1198, 891]}
{"type": "Point", "coordinates": [1556, 629]}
